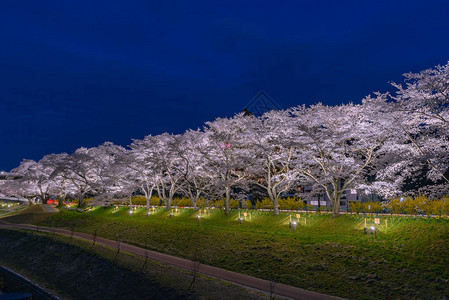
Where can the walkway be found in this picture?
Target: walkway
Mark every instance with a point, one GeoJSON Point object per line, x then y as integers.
{"type": "Point", "coordinates": [49, 208]}
{"type": "Point", "coordinates": [250, 281]}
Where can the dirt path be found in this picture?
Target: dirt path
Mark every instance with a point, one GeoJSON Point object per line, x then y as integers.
{"type": "Point", "coordinates": [250, 281]}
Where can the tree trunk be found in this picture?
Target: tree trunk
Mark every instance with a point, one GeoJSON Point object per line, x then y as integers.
{"type": "Point", "coordinates": [61, 202]}
{"type": "Point", "coordinates": [276, 206]}
{"type": "Point", "coordinates": [319, 202]}
{"type": "Point", "coordinates": [168, 199]}
{"type": "Point", "coordinates": [227, 200]}
{"type": "Point", "coordinates": [168, 203]}
{"type": "Point", "coordinates": [81, 201]}
{"type": "Point", "coordinates": [274, 200]}
{"type": "Point", "coordinates": [147, 200]}
{"type": "Point", "coordinates": [195, 199]}
{"type": "Point", "coordinates": [148, 195]}
{"type": "Point", "coordinates": [43, 199]}
{"type": "Point", "coordinates": [334, 197]}
{"type": "Point", "coordinates": [335, 207]}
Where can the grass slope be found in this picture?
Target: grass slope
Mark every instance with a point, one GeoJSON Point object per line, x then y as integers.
{"type": "Point", "coordinates": [77, 271]}
{"type": "Point", "coordinates": [32, 214]}
{"type": "Point", "coordinates": [5, 211]}
{"type": "Point", "coordinates": [409, 259]}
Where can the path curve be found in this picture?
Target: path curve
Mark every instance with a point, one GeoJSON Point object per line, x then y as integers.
{"type": "Point", "coordinates": [242, 279]}
{"type": "Point", "coordinates": [49, 208]}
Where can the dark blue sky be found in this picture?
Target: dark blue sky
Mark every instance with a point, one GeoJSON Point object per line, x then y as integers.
{"type": "Point", "coordinates": [78, 73]}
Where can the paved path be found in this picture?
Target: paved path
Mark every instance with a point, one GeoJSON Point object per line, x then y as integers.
{"type": "Point", "coordinates": [250, 281]}
{"type": "Point", "coordinates": [49, 208]}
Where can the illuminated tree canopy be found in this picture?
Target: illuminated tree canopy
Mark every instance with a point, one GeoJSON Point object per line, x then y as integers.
{"type": "Point", "coordinates": [377, 145]}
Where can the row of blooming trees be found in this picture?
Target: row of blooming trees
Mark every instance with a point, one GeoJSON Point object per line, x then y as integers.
{"type": "Point", "coordinates": [378, 145]}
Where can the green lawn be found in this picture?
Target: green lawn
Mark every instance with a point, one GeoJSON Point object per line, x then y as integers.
{"type": "Point", "coordinates": [410, 257]}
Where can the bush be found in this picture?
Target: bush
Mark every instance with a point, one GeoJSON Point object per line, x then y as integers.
{"type": "Point", "coordinates": [246, 204]}
{"type": "Point", "coordinates": [355, 206]}
{"type": "Point", "coordinates": [309, 207]}
{"type": "Point", "coordinates": [139, 200]}
{"type": "Point", "coordinates": [182, 202]}
{"type": "Point", "coordinates": [419, 204]}
{"type": "Point", "coordinates": [234, 203]}
{"type": "Point", "coordinates": [87, 201]}
{"type": "Point", "coordinates": [438, 207]}
{"type": "Point", "coordinates": [202, 203]}
{"type": "Point", "coordinates": [291, 203]}
{"type": "Point", "coordinates": [218, 203]}
{"type": "Point", "coordinates": [372, 207]}
{"type": "Point", "coordinates": [264, 204]}
{"type": "Point", "coordinates": [155, 200]}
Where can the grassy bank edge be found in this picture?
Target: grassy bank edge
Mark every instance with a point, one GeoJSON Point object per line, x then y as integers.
{"type": "Point", "coordinates": [204, 287]}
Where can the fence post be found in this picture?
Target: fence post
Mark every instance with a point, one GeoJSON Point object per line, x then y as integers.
{"type": "Point", "coordinates": [145, 262]}
{"type": "Point", "coordinates": [118, 249]}
{"type": "Point", "coordinates": [95, 239]}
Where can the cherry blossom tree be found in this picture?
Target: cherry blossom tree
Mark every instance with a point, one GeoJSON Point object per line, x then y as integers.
{"type": "Point", "coordinates": [197, 179]}
{"type": "Point", "coordinates": [16, 188]}
{"type": "Point", "coordinates": [338, 147]}
{"type": "Point", "coordinates": [161, 154]}
{"type": "Point", "coordinates": [269, 153]}
{"type": "Point", "coordinates": [87, 169]}
{"type": "Point", "coordinates": [422, 111]}
{"type": "Point", "coordinates": [224, 155]}
{"type": "Point", "coordinates": [37, 176]}
{"type": "Point", "coordinates": [122, 180]}
{"type": "Point", "coordinates": [140, 162]}
{"type": "Point", "coordinates": [114, 176]}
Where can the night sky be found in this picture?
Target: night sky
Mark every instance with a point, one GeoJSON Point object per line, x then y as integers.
{"type": "Point", "coordinates": [79, 73]}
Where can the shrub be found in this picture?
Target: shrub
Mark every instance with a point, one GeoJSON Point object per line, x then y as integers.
{"type": "Point", "coordinates": [264, 204]}
{"type": "Point", "coordinates": [139, 200]}
{"type": "Point", "coordinates": [445, 205]}
{"type": "Point", "coordinates": [434, 207]}
{"type": "Point", "coordinates": [420, 204]}
{"type": "Point", "coordinates": [87, 201]}
{"type": "Point", "coordinates": [155, 200]}
{"type": "Point", "coordinates": [246, 204]}
{"type": "Point", "coordinates": [371, 207]}
{"type": "Point", "coordinates": [182, 202]}
{"type": "Point", "coordinates": [309, 207]}
{"type": "Point", "coordinates": [218, 203]}
{"type": "Point", "coordinates": [233, 203]}
{"type": "Point", "coordinates": [202, 203]}
{"type": "Point", "coordinates": [355, 206]}
{"type": "Point", "coordinates": [291, 203]}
